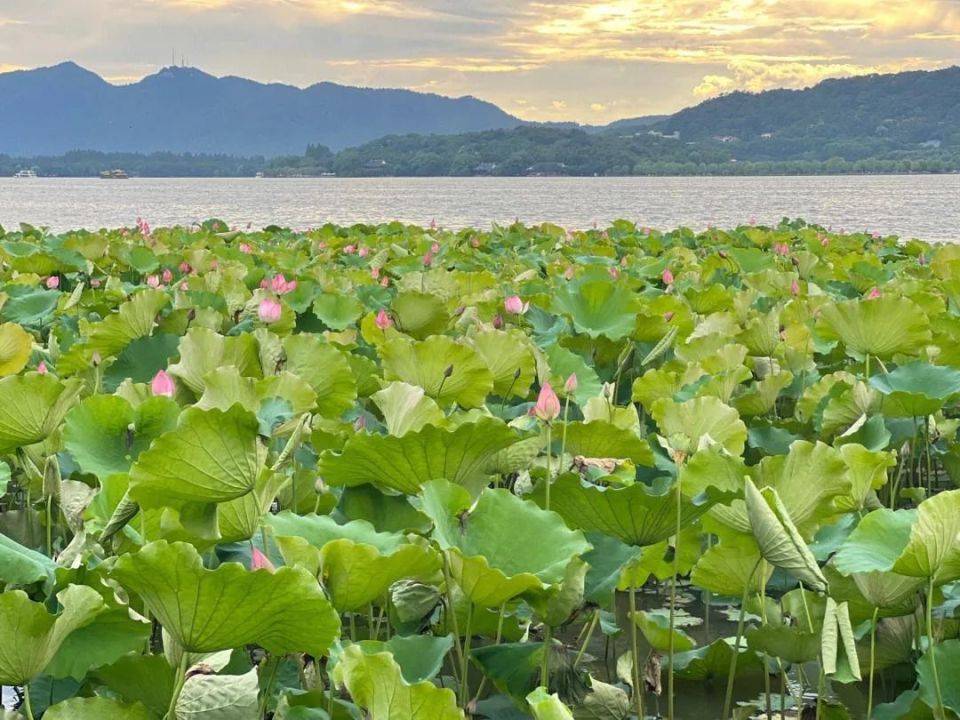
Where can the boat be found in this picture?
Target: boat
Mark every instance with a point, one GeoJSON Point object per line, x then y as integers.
{"type": "Point", "coordinates": [114, 175]}
{"type": "Point", "coordinates": [25, 174]}
{"type": "Point", "coordinates": [259, 175]}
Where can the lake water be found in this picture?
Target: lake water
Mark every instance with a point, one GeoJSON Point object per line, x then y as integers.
{"type": "Point", "coordinates": [923, 206]}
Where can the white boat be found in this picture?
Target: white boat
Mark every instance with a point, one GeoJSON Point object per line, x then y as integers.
{"type": "Point", "coordinates": [25, 174]}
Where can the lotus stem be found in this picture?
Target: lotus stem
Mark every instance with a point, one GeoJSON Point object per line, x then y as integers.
{"type": "Point", "coordinates": [465, 657]}
{"type": "Point", "coordinates": [732, 673]}
{"type": "Point", "coordinates": [180, 679]}
{"type": "Point", "coordinates": [820, 676]}
{"type": "Point", "coordinates": [549, 468]}
{"type": "Point", "coordinates": [451, 612]}
{"type": "Point", "coordinates": [635, 654]}
{"type": "Point", "coordinates": [590, 628]}
{"type": "Point", "coordinates": [563, 437]}
{"type": "Point", "coordinates": [49, 523]}
{"type": "Point", "coordinates": [26, 701]}
{"type": "Point", "coordinates": [673, 598]}
{"type": "Point", "coordinates": [545, 661]}
{"type": "Point", "coordinates": [931, 645]}
{"type": "Point", "coordinates": [266, 689]}
{"type": "Point", "coordinates": [496, 641]}
{"type": "Point", "coordinates": [866, 367]}
{"type": "Point", "coordinates": [873, 651]}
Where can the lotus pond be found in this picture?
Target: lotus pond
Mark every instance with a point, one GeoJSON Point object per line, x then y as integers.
{"type": "Point", "coordinates": [403, 473]}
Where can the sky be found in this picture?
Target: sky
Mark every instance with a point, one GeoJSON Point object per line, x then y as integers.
{"type": "Point", "coordinates": [582, 60]}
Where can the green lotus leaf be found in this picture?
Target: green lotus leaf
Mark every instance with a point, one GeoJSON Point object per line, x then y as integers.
{"type": "Point", "coordinates": [239, 519]}
{"type": "Point", "coordinates": [947, 657]}
{"type": "Point", "coordinates": [202, 351]}
{"type": "Point", "coordinates": [406, 463]}
{"type": "Point", "coordinates": [564, 363]}
{"type": "Point", "coordinates": [636, 514]}
{"type": "Point", "coordinates": [326, 370]}
{"type": "Point", "coordinates": [141, 360]}
{"type": "Point", "coordinates": [210, 610]}
{"type": "Point", "coordinates": [503, 546]}
{"type": "Point", "coordinates": [111, 635]}
{"type": "Point", "coordinates": [882, 327]}
{"type": "Point", "coordinates": [867, 472]}
{"type": "Point", "coordinates": [31, 636]}
{"type": "Point", "coordinates": [711, 663]}
{"type": "Point", "coordinates": [698, 419]}
{"type": "Point", "coordinates": [778, 539]}
{"type": "Point", "coordinates": [605, 702]}
{"type": "Point", "coordinates": [512, 667]}
{"type": "Point", "coordinates": [601, 439]}
{"type": "Point", "coordinates": [211, 456]}
{"type": "Point", "coordinates": [220, 697]}
{"type": "Point", "coordinates": [420, 657]}
{"type": "Point", "coordinates": [140, 678]}
{"type": "Point", "coordinates": [20, 565]}
{"type": "Point", "coordinates": [28, 306]}
{"type": "Point", "coordinates": [406, 408]}
{"type": "Point", "coordinates": [655, 626]}
{"type": "Point", "coordinates": [785, 642]}
{"type": "Point", "coordinates": [387, 513]}
{"type": "Point", "coordinates": [97, 708]}
{"type": "Point", "coordinates": [729, 567]}
{"type": "Point", "coordinates": [15, 347]}
{"type": "Point", "coordinates": [599, 308]}
{"type": "Point", "coordinates": [31, 407]}
{"type": "Point", "coordinates": [225, 387]}
{"type": "Point", "coordinates": [448, 371]}
{"type": "Point", "coordinates": [932, 550]}
{"type": "Point", "coordinates": [337, 311]}
{"type": "Point", "coordinates": [509, 355]}
{"type": "Point", "coordinates": [547, 707]}
{"type": "Point", "coordinates": [105, 434]}
{"type": "Point", "coordinates": [376, 684]}
{"type": "Point", "coordinates": [907, 706]}
{"type": "Point", "coordinates": [419, 314]}
{"type": "Point", "coordinates": [916, 389]}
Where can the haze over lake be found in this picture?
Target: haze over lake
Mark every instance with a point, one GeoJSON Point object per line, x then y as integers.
{"type": "Point", "coordinates": [922, 206]}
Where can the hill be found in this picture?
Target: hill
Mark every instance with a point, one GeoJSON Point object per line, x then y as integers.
{"type": "Point", "coordinates": [53, 110]}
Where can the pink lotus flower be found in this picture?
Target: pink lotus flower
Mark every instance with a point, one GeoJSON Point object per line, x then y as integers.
{"type": "Point", "coordinates": [153, 281]}
{"type": "Point", "coordinates": [269, 310]}
{"type": "Point", "coordinates": [350, 249]}
{"type": "Point", "coordinates": [824, 241]}
{"type": "Point", "coordinates": [53, 282]}
{"type": "Point", "coordinates": [873, 294]}
{"type": "Point", "coordinates": [781, 249]}
{"type": "Point", "coordinates": [667, 277]}
{"type": "Point", "coordinates": [167, 276]}
{"type": "Point", "coordinates": [433, 223]}
{"type": "Point", "coordinates": [363, 252]}
{"type": "Point", "coordinates": [95, 282]}
{"type": "Point", "coordinates": [245, 248]}
{"type": "Point", "coordinates": [570, 386]}
{"type": "Point", "coordinates": [794, 287]}
{"type": "Point", "coordinates": [185, 268]}
{"type": "Point", "coordinates": [753, 220]}
{"type": "Point", "coordinates": [427, 259]}
{"type": "Point", "coordinates": [214, 264]}
{"type": "Point", "coordinates": [547, 406]}
{"type": "Point", "coordinates": [514, 305]}
{"type": "Point", "coordinates": [143, 226]}
{"type": "Point", "coordinates": [360, 423]}
{"type": "Point", "coordinates": [435, 248]}
{"type": "Point", "coordinates": [375, 273]}
{"type": "Point", "coordinates": [259, 561]}
{"type": "Point", "coordinates": [42, 368]}
{"type": "Point", "coordinates": [384, 282]}
{"type": "Point", "coordinates": [383, 320]}
{"type": "Point", "coordinates": [279, 284]}
{"type": "Point", "coordinates": [162, 384]}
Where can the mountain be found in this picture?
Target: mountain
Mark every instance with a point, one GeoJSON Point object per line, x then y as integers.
{"type": "Point", "coordinates": [52, 110]}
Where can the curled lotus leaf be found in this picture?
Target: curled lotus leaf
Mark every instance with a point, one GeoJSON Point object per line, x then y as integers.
{"type": "Point", "coordinates": [16, 344]}
{"type": "Point", "coordinates": [325, 368]}
{"type": "Point", "coordinates": [32, 407]}
{"type": "Point", "coordinates": [601, 439]}
{"type": "Point", "coordinates": [698, 420]}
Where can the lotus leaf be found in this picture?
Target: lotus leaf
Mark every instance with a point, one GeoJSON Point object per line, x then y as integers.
{"type": "Point", "coordinates": [96, 708]}
{"type": "Point", "coordinates": [31, 407]}
{"type": "Point", "coordinates": [916, 389]}
{"type": "Point", "coordinates": [448, 371]}
{"type": "Point", "coordinates": [882, 327]}
{"type": "Point", "coordinates": [700, 419]}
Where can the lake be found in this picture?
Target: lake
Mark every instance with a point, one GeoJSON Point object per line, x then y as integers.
{"type": "Point", "coordinates": [922, 206]}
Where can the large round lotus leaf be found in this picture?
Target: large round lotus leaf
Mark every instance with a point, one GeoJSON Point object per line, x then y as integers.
{"type": "Point", "coordinates": [202, 351]}
{"type": "Point", "coordinates": [220, 697]}
{"type": "Point", "coordinates": [729, 567]}
{"type": "Point", "coordinates": [141, 360]}
{"type": "Point", "coordinates": [916, 389]}
{"type": "Point", "coordinates": [512, 667]}
{"type": "Point", "coordinates": [105, 434]}
{"type": "Point", "coordinates": [947, 655]}
{"type": "Point", "coordinates": [448, 371]}
{"type": "Point", "coordinates": [789, 643]}
{"type": "Point", "coordinates": [96, 708]}
{"type": "Point", "coordinates": [598, 308]}
{"type": "Point", "coordinates": [420, 315]}
{"type": "Point", "coordinates": [509, 355]}
{"type": "Point", "coordinates": [144, 678]}
{"type": "Point", "coordinates": [406, 463]}
{"type": "Point", "coordinates": [420, 657]}
{"type": "Point", "coordinates": [318, 530]}
{"type": "Point", "coordinates": [876, 543]}
{"type": "Point", "coordinates": [239, 519]}
{"type": "Point", "coordinates": [601, 439]}
{"type": "Point", "coordinates": [867, 472]}
{"type": "Point", "coordinates": [29, 306]}
{"type": "Point", "coordinates": [225, 387]}
{"type": "Point", "coordinates": [209, 610]}
{"type": "Point", "coordinates": [655, 626]}
{"type": "Point", "coordinates": [687, 424]}
{"type": "Point", "coordinates": [932, 550]}
{"type": "Point", "coordinates": [15, 347]}
{"type": "Point", "coordinates": [636, 514]}
{"type": "Point", "coordinates": [31, 407]}
{"type": "Point", "coordinates": [337, 311]}
{"type": "Point", "coordinates": [111, 635]}
{"type": "Point", "coordinates": [326, 370]}
{"type": "Point", "coordinates": [778, 539]}
{"type": "Point", "coordinates": [564, 363]}
{"type": "Point", "coordinates": [711, 663]}
{"type": "Point", "coordinates": [406, 408]}
{"type": "Point", "coordinates": [20, 565]}
{"type": "Point", "coordinates": [31, 636]}
{"type": "Point", "coordinates": [375, 683]}
{"type": "Point", "coordinates": [211, 456]}
{"type": "Point", "coordinates": [882, 327]}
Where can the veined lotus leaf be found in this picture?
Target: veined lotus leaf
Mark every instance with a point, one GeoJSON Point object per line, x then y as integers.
{"type": "Point", "coordinates": [406, 463]}
{"type": "Point", "coordinates": [211, 456]}
{"type": "Point", "coordinates": [15, 347]}
{"type": "Point", "coordinates": [318, 530]}
{"type": "Point", "coordinates": [105, 434]}
{"type": "Point", "coordinates": [145, 678]}
{"type": "Point", "coordinates": [108, 637]}
{"type": "Point", "coordinates": [656, 384]}
{"type": "Point", "coordinates": [712, 662]}
{"type": "Point", "coordinates": [598, 308]}
{"type": "Point", "coordinates": [655, 626]}
{"type": "Point", "coordinates": [503, 546]}
{"type": "Point", "coordinates": [761, 334]}
{"type": "Point", "coordinates": [337, 311]}
{"type": "Point", "coordinates": [406, 408]}
{"type": "Point", "coordinates": [606, 560]}
{"type": "Point", "coordinates": [601, 439]}
{"type": "Point", "coordinates": [239, 519]}
{"type": "Point", "coordinates": [512, 667]}
{"type": "Point", "coordinates": [730, 566]}
{"type": "Point", "coordinates": [562, 364]}
{"type": "Point", "coordinates": [387, 513]}
{"type": "Point", "coordinates": [605, 702]}
{"type": "Point", "coordinates": [947, 654]}
{"type": "Point", "coordinates": [509, 355]}
{"type": "Point", "coordinates": [894, 594]}
{"type": "Point", "coordinates": [636, 514]}
{"type": "Point", "coordinates": [837, 631]}
{"type": "Point", "coordinates": [778, 539]}
{"type": "Point", "coordinates": [866, 471]}
{"type": "Point", "coordinates": [376, 684]}
{"type": "Point", "coordinates": [220, 697]}
{"type": "Point", "coordinates": [31, 636]}
{"type": "Point", "coordinates": [141, 360]}
{"type": "Point", "coordinates": [876, 543]}
{"type": "Point", "coordinates": [225, 387]}
{"type": "Point", "coordinates": [420, 657]}
{"type": "Point", "coordinates": [792, 644]}
{"type": "Point", "coordinates": [31, 407]}
{"type": "Point", "coordinates": [209, 610]}
{"type": "Point", "coordinates": [427, 363]}
{"type": "Point", "coordinates": [933, 550]}
{"type": "Point", "coordinates": [698, 419]}
{"type": "Point", "coordinates": [883, 326]}
{"type": "Point", "coordinates": [325, 368]}
{"type": "Point", "coordinates": [557, 602]}
{"type": "Point", "coordinates": [97, 708]}
{"type": "Point", "coordinates": [547, 707]}
{"type": "Point", "coordinates": [602, 409]}
{"type": "Point", "coordinates": [916, 389]}
{"type": "Point", "coordinates": [202, 351]}
{"type": "Point", "coordinates": [761, 397]}
{"type": "Point", "coordinates": [420, 314]}
{"type": "Point", "coordinates": [30, 306]}
{"type": "Point", "coordinates": [20, 565]}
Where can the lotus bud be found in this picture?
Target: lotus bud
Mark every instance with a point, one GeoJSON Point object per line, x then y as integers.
{"type": "Point", "coordinates": [568, 273]}
{"type": "Point", "coordinates": [214, 264]}
{"type": "Point", "coordinates": [383, 320]}
{"type": "Point", "coordinates": [185, 268]}
{"type": "Point", "coordinates": [360, 423]}
{"type": "Point", "coordinates": [42, 368]}
{"type": "Point", "coordinates": [375, 273]}
{"type": "Point", "coordinates": [498, 321]}
{"type": "Point", "coordinates": [459, 311]}
{"type": "Point", "coordinates": [184, 286]}
{"type": "Point", "coordinates": [269, 310]}
{"type": "Point", "coordinates": [448, 372]}
{"type": "Point", "coordinates": [922, 260]}
{"type": "Point", "coordinates": [362, 252]}
{"type": "Point", "coordinates": [794, 287]}
{"type": "Point", "coordinates": [384, 282]}
{"type": "Point", "coordinates": [667, 277]}
{"type": "Point", "coordinates": [781, 249]}
{"type": "Point", "coordinates": [245, 248]}
{"type": "Point", "coordinates": [614, 273]}
{"type": "Point", "coordinates": [427, 259]}
{"type": "Point", "coordinates": [259, 561]}
{"type": "Point", "coordinates": [668, 316]}
{"type": "Point", "coordinates": [153, 281]}
{"type": "Point", "coordinates": [753, 220]}
{"type": "Point", "coordinates": [514, 305]}
{"type": "Point", "coordinates": [570, 386]}
{"type": "Point", "coordinates": [350, 249]}
{"type": "Point", "coordinates": [53, 282]}
{"type": "Point", "coordinates": [435, 248]}
{"type": "Point", "coordinates": [547, 406]}
{"type": "Point", "coordinates": [162, 384]}
{"type": "Point", "coordinates": [474, 242]}
{"type": "Point", "coordinates": [873, 294]}
{"type": "Point", "coordinates": [95, 358]}
{"type": "Point", "coordinates": [167, 276]}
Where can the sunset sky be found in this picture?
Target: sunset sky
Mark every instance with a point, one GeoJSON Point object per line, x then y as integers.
{"type": "Point", "coordinates": [539, 59]}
